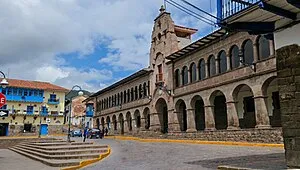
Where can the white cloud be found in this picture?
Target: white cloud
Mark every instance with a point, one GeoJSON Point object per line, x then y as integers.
{"type": "Point", "coordinates": [34, 33]}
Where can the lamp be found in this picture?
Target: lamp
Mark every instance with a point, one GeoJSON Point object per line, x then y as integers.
{"type": "Point", "coordinates": [4, 82]}
{"type": "Point", "coordinates": [164, 88]}
{"type": "Point", "coordinates": [80, 93]}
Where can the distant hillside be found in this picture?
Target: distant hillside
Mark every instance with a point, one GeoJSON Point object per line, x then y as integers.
{"type": "Point", "coordinates": [74, 93]}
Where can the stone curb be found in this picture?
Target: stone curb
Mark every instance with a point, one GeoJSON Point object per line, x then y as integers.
{"type": "Point", "coordinates": [196, 141]}
{"type": "Point", "coordinates": [90, 161]}
{"type": "Point", "coordinates": [224, 167]}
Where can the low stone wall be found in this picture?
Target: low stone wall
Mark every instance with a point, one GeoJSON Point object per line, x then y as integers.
{"type": "Point", "coordinates": [273, 135]}
{"type": "Point", "coordinates": [17, 130]}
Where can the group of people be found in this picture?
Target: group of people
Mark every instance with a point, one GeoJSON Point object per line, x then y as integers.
{"type": "Point", "coordinates": [86, 132]}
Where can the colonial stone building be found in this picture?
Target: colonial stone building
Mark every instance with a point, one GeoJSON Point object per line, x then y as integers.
{"type": "Point", "coordinates": [220, 87]}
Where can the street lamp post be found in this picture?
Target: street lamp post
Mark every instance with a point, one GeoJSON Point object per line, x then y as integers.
{"type": "Point", "coordinates": [80, 93]}
{"type": "Point", "coordinates": [4, 82]}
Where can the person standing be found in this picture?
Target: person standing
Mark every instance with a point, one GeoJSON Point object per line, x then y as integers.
{"type": "Point", "coordinates": [106, 131]}
{"type": "Point", "coordinates": [85, 131]}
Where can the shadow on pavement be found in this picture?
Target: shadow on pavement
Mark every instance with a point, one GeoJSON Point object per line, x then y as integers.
{"type": "Point", "coordinates": [267, 161]}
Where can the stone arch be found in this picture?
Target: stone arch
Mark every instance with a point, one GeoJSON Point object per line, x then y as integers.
{"type": "Point", "coordinates": [193, 72]}
{"type": "Point", "coordinates": [181, 112]}
{"type": "Point", "coordinates": [201, 67]}
{"type": "Point", "coordinates": [177, 78]}
{"type": "Point", "coordinates": [121, 120]}
{"type": "Point", "coordinates": [129, 121]}
{"type": "Point", "coordinates": [248, 53]}
{"type": "Point", "coordinates": [211, 65]}
{"type": "Point", "coordinates": [244, 105]}
{"type": "Point", "coordinates": [114, 121]}
{"type": "Point", "coordinates": [197, 103]}
{"type": "Point", "coordinates": [263, 47]}
{"type": "Point", "coordinates": [137, 118]}
{"type": "Point", "coordinates": [162, 111]}
{"type": "Point", "coordinates": [271, 92]}
{"type": "Point", "coordinates": [222, 60]}
{"type": "Point", "coordinates": [108, 122]}
{"type": "Point", "coordinates": [146, 114]}
{"type": "Point", "coordinates": [185, 75]}
{"type": "Point", "coordinates": [102, 122]}
{"type": "Point", "coordinates": [218, 100]}
{"type": "Point", "coordinates": [234, 57]}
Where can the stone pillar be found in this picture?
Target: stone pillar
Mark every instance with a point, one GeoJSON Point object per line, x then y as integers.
{"type": "Point", "coordinates": [206, 70]}
{"type": "Point", "coordinates": [232, 116]}
{"type": "Point", "coordinates": [209, 118]}
{"type": "Point", "coordinates": [189, 76]}
{"type": "Point", "coordinates": [143, 123]}
{"type": "Point", "coordinates": [155, 125]}
{"type": "Point", "coordinates": [173, 122]}
{"type": "Point", "coordinates": [261, 113]}
{"type": "Point", "coordinates": [228, 62]}
{"type": "Point", "coordinates": [255, 53]}
{"type": "Point", "coordinates": [197, 72]}
{"type": "Point", "coordinates": [241, 57]}
{"type": "Point", "coordinates": [272, 48]}
{"type": "Point", "coordinates": [191, 124]}
{"type": "Point", "coordinates": [288, 73]}
{"type": "Point", "coordinates": [217, 65]}
{"type": "Point", "coordinates": [126, 129]}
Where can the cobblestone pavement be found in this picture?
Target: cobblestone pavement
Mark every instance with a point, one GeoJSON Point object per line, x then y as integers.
{"type": "Point", "coordinates": [131, 155]}
{"type": "Point", "coordinates": [10, 160]}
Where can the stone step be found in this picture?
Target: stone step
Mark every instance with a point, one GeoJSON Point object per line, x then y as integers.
{"type": "Point", "coordinates": [66, 147]}
{"type": "Point", "coordinates": [65, 152]}
{"type": "Point", "coordinates": [58, 157]}
{"type": "Point", "coordinates": [54, 163]}
{"type": "Point", "coordinates": [59, 143]}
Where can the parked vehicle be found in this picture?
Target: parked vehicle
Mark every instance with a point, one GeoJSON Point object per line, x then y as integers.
{"type": "Point", "coordinates": [94, 133]}
{"type": "Point", "coordinates": [76, 132]}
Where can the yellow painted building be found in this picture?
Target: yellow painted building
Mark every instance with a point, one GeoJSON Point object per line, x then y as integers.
{"type": "Point", "coordinates": [33, 107]}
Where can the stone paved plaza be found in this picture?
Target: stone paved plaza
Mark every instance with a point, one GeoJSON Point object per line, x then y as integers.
{"type": "Point", "coordinates": [131, 155]}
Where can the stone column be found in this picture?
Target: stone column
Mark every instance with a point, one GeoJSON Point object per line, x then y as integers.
{"type": "Point", "coordinates": [191, 124]}
{"type": "Point", "coordinates": [272, 48]}
{"type": "Point", "coordinates": [189, 76]}
{"type": "Point", "coordinates": [155, 125]}
{"type": "Point", "coordinates": [126, 129]}
{"type": "Point", "coordinates": [232, 116]}
{"type": "Point", "coordinates": [173, 122]}
{"type": "Point", "coordinates": [197, 72]}
{"type": "Point", "coordinates": [288, 68]}
{"type": "Point", "coordinates": [261, 113]}
{"type": "Point", "coordinates": [228, 62]}
{"type": "Point", "coordinates": [241, 57]}
{"type": "Point", "coordinates": [209, 118]}
{"type": "Point", "coordinates": [255, 53]}
{"type": "Point", "coordinates": [206, 70]}
{"type": "Point", "coordinates": [217, 65]}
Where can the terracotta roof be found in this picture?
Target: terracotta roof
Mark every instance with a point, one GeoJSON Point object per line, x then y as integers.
{"type": "Point", "coordinates": [34, 85]}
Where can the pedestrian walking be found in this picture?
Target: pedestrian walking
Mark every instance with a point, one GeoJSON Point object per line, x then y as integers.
{"type": "Point", "coordinates": [106, 131]}
{"type": "Point", "coordinates": [85, 131]}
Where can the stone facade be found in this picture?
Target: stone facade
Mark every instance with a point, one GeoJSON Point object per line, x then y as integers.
{"type": "Point", "coordinates": [224, 89]}
{"type": "Point", "coordinates": [288, 64]}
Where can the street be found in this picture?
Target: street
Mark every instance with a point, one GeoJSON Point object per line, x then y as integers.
{"type": "Point", "coordinates": [138, 155]}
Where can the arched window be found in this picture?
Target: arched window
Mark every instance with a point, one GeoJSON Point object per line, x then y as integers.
{"type": "Point", "coordinates": [234, 57]}
{"type": "Point", "coordinates": [118, 99]}
{"type": "Point", "coordinates": [212, 65]}
{"type": "Point", "coordinates": [185, 75]}
{"type": "Point", "coordinates": [201, 69]}
{"type": "Point", "coordinates": [248, 52]}
{"type": "Point", "coordinates": [177, 78]}
{"type": "Point", "coordinates": [125, 96]}
{"type": "Point", "coordinates": [222, 62]}
{"type": "Point", "coordinates": [128, 95]}
{"type": "Point", "coordinates": [136, 94]}
{"type": "Point", "coordinates": [121, 98]}
{"type": "Point", "coordinates": [110, 101]}
{"type": "Point", "coordinates": [132, 94]}
{"type": "Point", "coordinates": [140, 91]}
{"type": "Point", "coordinates": [193, 71]}
{"type": "Point", "coordinates": [145, 89]}
{"type": "Point", "coordinates": [263, 47]}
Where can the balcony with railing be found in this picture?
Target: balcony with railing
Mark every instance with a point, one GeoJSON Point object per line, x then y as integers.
{"type": "Point", "coordinates": [53, 101]}
{"type": "Point", "coordinates": [227, 8]}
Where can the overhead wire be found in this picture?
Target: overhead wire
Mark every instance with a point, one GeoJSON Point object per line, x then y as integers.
{"type": "Point", "coordinates": [207, 13]}
{"type": "Point", "coordinates": [186, 10]}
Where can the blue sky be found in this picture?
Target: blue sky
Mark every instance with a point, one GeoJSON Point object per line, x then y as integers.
{"type": "Point", "coordinates": [92, 43]}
